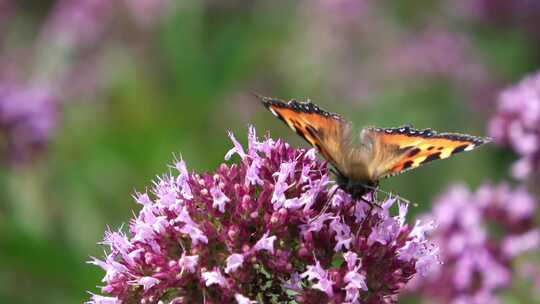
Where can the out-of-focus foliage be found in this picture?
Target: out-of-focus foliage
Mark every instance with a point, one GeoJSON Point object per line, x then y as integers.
{"type": "Point", "coordinates": [96, 96]}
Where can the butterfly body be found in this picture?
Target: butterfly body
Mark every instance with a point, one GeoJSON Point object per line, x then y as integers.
{"type": "Point", "coordinates": [377, 153]}
{"type": "Point", "coordinates": [357, 188]}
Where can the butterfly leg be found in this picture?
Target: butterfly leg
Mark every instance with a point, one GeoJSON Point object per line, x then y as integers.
{"type": "Point", "coordinates": [326, 205]}
{"type": "Point", "coordinates": [371, 202]}
{"type": "Point", "coordinates": [369, 211]}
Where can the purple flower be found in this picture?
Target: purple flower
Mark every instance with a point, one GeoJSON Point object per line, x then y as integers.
{"type": "Point", "coordinates": [28, 117]}
{"type": "Point", "coordinates": [97, 299]}
{"type": "Point", "coordinates": [521, 14]}
{"type": "Point", "coordinates": [221, 237]}
{"type": "Point", "coordinates": [315, 273]}
{"type": "Point", "coordinates": [76, 23]}
{"type": "Point", "coordinates": [63, 63]}
{"type": "Point", "coordinates": [147, 12]}
{"type": "Point", "coordinates": [147, 282]}
{"type": "Point", "coordinates": [285, 169]}
{"type": "Point", "coordinates": [265, 243]}
{"type": "Point", "coordinates": [517, 124]}
{"type": "Point", "coordinates": [234, 261]}
{"type": "Point", "coordinates": [355, 283]}
{"type": "Point", "coordinates": [477, 261]}
{"type": "Point", "coordinates": [437, 52]}
{"type": "Point", "coordinates": [214, 277]}
{"type": "Point", "coordinates": [188, 263]}
{"type": "Point", "coordinates": [336, 31]}
{"type": "Point", "coordinates": [219, 198]}
{"type": "Point", "coordinates": [344, 11]}
{"type": "Point", "coordinates": [240, 299]}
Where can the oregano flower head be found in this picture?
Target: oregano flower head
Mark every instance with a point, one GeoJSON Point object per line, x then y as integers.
{"type": "Point", "coordinates": [272, 228]}
{"type": "Point", "coordinates": [482, 236]}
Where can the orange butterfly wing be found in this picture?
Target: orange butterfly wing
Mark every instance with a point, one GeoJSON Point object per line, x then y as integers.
{"type": "Point", "coordinates": [406, 148]}
{"type": "Point", "coordinates": [381, 153]}
{"type": "Point", "coordinates": [323, 130]}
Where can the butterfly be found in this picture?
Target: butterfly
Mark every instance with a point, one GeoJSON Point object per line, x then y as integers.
{"type": "Point", "coordinates": [378, 153]}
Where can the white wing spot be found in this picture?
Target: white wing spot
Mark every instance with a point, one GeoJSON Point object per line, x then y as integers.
{"type": "Point", "coordinates": [445, 153]}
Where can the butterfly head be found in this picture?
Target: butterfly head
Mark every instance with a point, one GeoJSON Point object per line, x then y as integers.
{"type": "Point", "coordinates": [357, 189]}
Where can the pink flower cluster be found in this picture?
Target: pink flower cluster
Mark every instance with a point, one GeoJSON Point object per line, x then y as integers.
{"type": "Point", "coordinates": [480, 236]}
{"type": "Point", "coordinates": [517, 124]}
{"type": "Point", "coordinates": [272, 228]}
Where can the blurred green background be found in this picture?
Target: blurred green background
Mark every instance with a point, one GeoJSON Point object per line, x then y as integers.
{"type": "Point", "coordinates": [173, 79]}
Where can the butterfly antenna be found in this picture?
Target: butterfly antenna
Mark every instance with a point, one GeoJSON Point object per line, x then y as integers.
{"type": "Point", "coordinates": [256, 94]}
{"type": "Point", "coordinates": [259, 96]}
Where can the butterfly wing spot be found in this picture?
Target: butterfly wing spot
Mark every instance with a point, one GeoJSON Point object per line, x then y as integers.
{"type": "Point", "coordinates": [413, 152]}
{"type": "Point", "coordinates": [461, 148]}
{"type": "Point", "coordinates": [407, 165]}
{"type": "Point", "coordinates": [431, 157]}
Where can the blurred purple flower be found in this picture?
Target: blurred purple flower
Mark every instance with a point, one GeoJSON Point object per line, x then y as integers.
{"type": "Point", "coordinates": [477, 261]}
{"type": "Point", "coordinates": [440, 53]}
{"type": "Point", "coordinates": [97, 299]}
{"type": "Point", "coordinates": [188, 242]}
{"type": "Point", "coordinates": [74, 24]}
{"type": "Point", "coordinates": [147, 12]}
{"type": "Point", "coordinates": [517, 124]}
{"type": "Point", "coordinates": [361, 65]}
{"type": "Point", "coordinates": [84, 22]}
{"type": "Point", "coordinates": [28, 117]}
{"type": "Point", "coordinates": [31, 95]}
{"type": "Point", "coordinates": [524, 14]}
{"type": "Point", "coordinates": [63, 63]}
{"type": "Point", "coordinates": [344, 11]}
